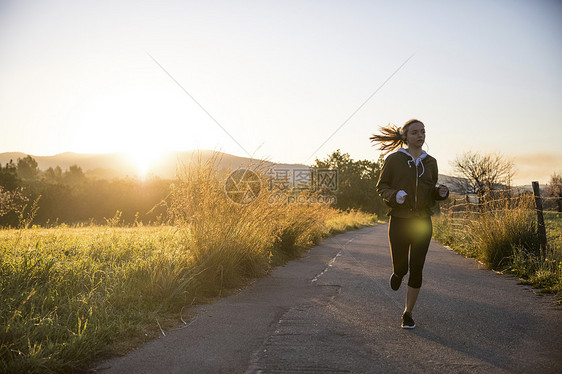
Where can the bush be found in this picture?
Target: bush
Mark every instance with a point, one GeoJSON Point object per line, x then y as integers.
{"type": "Point", "coordinates": [492, 232]}
{"type": "Point", "coordinates": [503, 235]}
{"type": "Point", "coordinates": [501, 229]}
{"type": "Point", "coordinates": [233, 241]}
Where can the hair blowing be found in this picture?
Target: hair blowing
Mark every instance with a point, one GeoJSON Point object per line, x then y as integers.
{"type": "Point", "coordinates": [392, 137]}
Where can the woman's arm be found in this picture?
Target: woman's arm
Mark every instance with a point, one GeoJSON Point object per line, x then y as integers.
{"type": "Point", "coordinates": [384, 186]}
{"type": "Point", "coordinates": [440, 192]}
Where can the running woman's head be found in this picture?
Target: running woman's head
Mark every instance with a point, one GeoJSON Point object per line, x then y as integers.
{"type": "Point", "coordinates": [391, 137]}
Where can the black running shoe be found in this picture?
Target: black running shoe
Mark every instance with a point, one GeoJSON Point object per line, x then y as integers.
{"type": "Point", "coordinates": [407, 321]}
{"type": "Point", "coordinates": [395, 282]}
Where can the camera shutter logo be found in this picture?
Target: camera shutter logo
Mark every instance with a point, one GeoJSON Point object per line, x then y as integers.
{"type": "Point", "coordinates": [242, 186]}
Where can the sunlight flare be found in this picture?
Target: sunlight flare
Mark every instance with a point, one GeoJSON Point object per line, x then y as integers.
{"type": "Point", "coordinates": [144, 159]}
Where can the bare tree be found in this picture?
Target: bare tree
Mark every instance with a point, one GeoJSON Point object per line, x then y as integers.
{"type": "Point", "coordinates": [12, 201]}
{"type": "Point", "coordinates": [482, 173]}
{"type": "Point", "coordinates": [554, 189]}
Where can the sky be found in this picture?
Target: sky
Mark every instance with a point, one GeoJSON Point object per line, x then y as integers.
{"type": "Point", "coordinates": [287, 81]}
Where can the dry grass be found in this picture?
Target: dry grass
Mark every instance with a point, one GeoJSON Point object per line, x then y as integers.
{"type": "Point", "coordinates": [503, 235]}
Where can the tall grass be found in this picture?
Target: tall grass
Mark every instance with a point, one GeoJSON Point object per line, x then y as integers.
{"type": "Point", "coordinates": [503, 226]}
{"type": "Point", "coordinates": [68, 292]}
{"type": "Point", "coordinates": [503, 235]}
{"type": "Point", "coordinates": [543, 270]}
{"type": "Point", "coordinates": [353, 219]}
{"type": "Point", "coordinates": [232, 241]}
{"type": "Point", "coordinates": [72, 295]}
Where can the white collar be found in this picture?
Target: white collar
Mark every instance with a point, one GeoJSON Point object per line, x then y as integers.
{"type": "Point", "coordinates": [416, 160]}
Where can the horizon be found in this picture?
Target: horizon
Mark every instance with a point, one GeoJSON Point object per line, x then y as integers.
{"type": "Point", "coordinates": [144, 171]}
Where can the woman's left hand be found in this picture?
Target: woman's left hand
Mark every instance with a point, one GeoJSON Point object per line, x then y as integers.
{"type": "Point", "coordinates": [443, 190]}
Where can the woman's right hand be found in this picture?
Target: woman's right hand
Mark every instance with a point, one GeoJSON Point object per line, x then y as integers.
{"type": "Point", "coordinates": [443, 190]}
{"type": "Point", "coordinates": [401, 196]}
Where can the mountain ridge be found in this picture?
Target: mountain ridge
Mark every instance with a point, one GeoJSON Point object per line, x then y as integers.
{"type": "Point", "coordinates": [114, 165]}
{"type": "Point", "coordinates": [119, 165]}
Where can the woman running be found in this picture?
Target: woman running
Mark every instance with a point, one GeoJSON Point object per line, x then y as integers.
{"type": "Point", "coordinates": [408, 185]}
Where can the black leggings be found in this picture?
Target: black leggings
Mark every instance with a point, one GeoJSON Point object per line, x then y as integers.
{"type": "Point", "coordinates": [409, 235]}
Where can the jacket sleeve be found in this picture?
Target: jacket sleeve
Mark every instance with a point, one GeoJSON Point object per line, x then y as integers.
{"type": "Point", "coordinates": [384, 186]}
{"type": "Point", "coordinates": [436, 195]}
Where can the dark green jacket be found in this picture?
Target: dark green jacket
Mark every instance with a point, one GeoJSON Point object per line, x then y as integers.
{"type": "Point", "coordinates": [400, 172]}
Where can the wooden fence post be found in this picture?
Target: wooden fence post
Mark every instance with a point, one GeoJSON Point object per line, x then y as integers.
{"type": "Point", "coordinates": [540, 217]}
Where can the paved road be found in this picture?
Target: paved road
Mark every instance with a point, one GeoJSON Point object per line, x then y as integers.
{"type": "Point", "coordinates": [333, 312]}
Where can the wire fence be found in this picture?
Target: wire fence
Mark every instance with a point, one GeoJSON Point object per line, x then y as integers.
{"type": "Point", "coordinates": [496, 201]}
{"type": "Point", "coordinates": [462, 210]}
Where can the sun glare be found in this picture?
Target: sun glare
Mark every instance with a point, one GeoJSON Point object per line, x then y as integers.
{"type": "Point", "coordinates": [143, 160]}
{"type": "Point", "coordinates": [140, 124]}
{"type": "Point", "coordinates": [143, 124]}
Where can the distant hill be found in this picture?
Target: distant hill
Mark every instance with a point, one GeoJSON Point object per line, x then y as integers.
{"type": "Point", "coordinates": [115, 165]}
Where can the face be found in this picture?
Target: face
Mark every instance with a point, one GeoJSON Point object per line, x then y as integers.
{"type": "Point", "coordinates": [415, 135]}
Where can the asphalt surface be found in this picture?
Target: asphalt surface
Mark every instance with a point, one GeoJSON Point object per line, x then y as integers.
{"type": "Point", "coordinates": [332, 311]}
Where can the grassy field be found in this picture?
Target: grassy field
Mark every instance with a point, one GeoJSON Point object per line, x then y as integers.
{"type": "Point", "coordinates": [505, 238]}
{"type": "Point", "coordinates": [71, 295]}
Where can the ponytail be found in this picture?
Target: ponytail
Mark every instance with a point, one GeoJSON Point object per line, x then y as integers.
{"type": "Point", "coordinates": [392, 137]}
